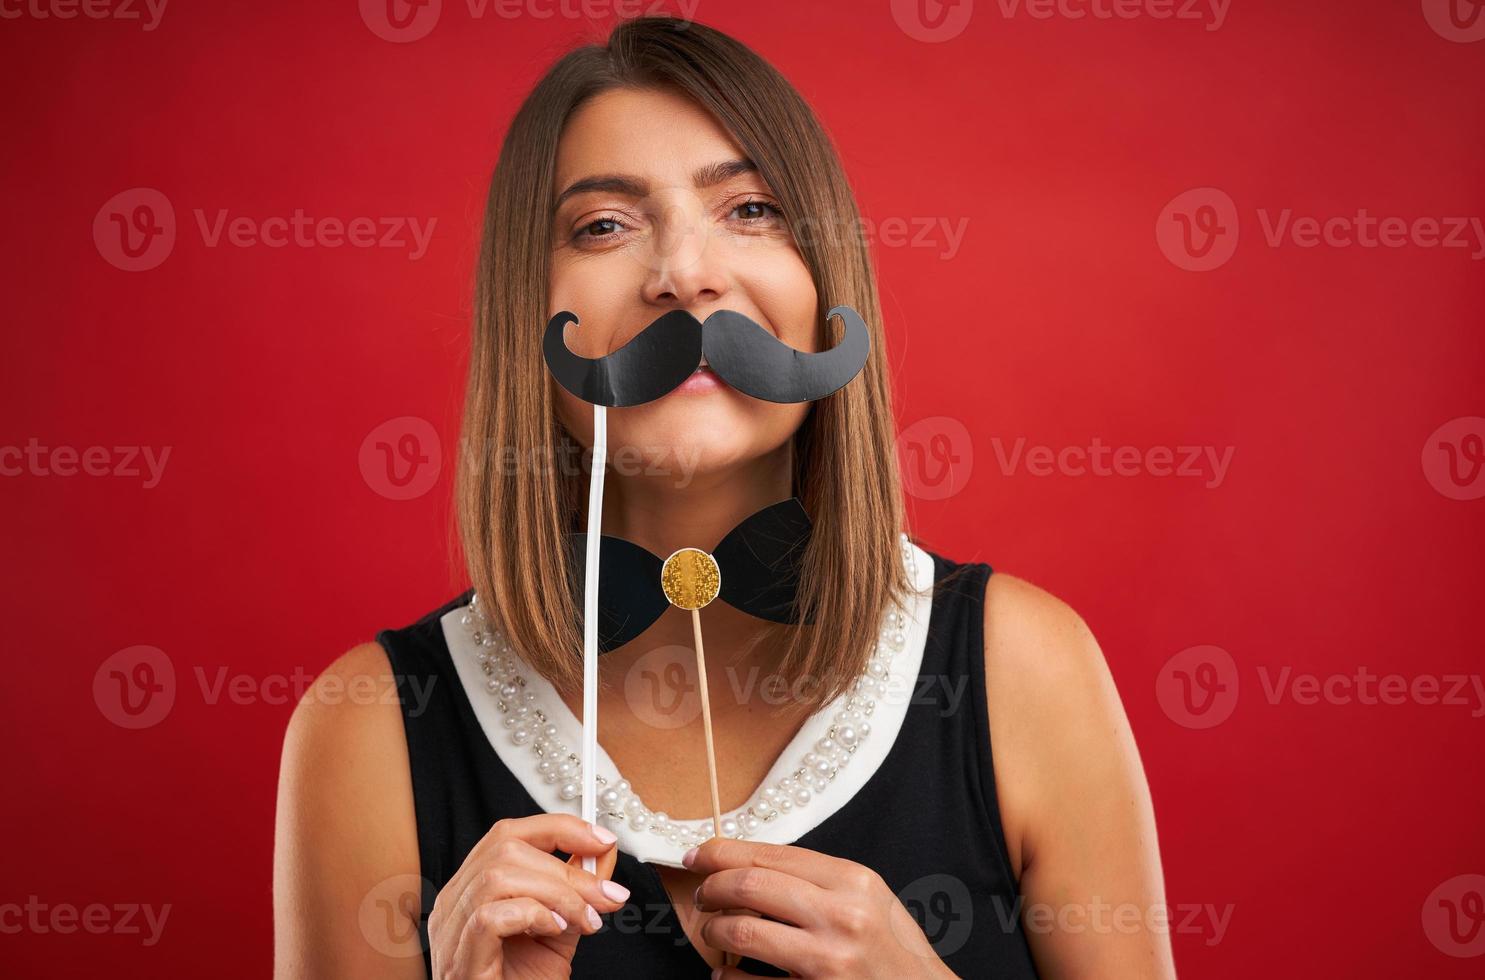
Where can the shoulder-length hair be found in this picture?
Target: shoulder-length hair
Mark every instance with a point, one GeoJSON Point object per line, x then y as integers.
{"type": "Point", "coordinates": [512, 519]}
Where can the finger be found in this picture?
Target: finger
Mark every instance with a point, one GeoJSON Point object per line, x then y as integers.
{"type": "Point", "coordinates": [494, 922]}
{"type": "Point", "coordinates": [773, 893]}
{"type": "Point", "coordinates": [778, 943]}
{"type": "Point", "coordinates": [604, 869]}
{"type": "Point", "coordinates": [554, 831]}
{"type": "Point", "coordinates": [717, 853]}
{"type": "Point", "coordinates": [514, 853]}
{"type": "Point", "coordinates": [507, 881]}
{"type": "Point", "coordinates": [543, 831]}
{"type": "Point", "coordinates": [730, 973]}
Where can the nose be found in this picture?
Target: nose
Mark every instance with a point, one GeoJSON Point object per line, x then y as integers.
{"type": "Point", "coordinates": [683, 269]}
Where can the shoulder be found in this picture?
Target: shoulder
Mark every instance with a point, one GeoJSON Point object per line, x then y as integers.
{"type": "Point", "coordinates": [352, 697]}
{"type": "Point", "coordinates": [1057, 725]}
{"type": "Point", "coordinates": [345, 820]}
{"type": "Point", "coordinates": [1034, 638]}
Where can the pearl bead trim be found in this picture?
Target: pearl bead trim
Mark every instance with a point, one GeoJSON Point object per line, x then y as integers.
{"type": "Point", "coordinates": [527, 720]}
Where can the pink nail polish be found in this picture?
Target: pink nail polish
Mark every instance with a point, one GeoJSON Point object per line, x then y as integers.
{"type": "Point", "coordinates": [561, 922]}
{"type": "Point", "coordinates": [615, 891]}
{"type": "Point", "coordinates": [604, 835]}
{"type": "Point", "coordinates": [593, 919]}
{"type": "Point", "coordinates": [690, 857]}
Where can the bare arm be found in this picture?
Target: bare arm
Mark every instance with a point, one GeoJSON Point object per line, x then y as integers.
{"type": "Point", "coordinates": [345, 860]}
{"type": "Point", "coordinates": [1074, 800]}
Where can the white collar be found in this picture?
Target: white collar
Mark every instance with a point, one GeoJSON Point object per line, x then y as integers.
{"type": "Point", "coordinates": [894, 695]}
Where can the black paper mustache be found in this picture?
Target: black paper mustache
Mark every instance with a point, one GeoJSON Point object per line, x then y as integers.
{"type": "Point", "coordinates": [743, 353]}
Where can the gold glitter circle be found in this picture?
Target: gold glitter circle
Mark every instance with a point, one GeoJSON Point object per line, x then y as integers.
{"type": "Point", "coordinates": [690, 578]}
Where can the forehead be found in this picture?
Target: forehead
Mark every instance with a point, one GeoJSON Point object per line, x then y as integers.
{"type": "Point", "coordinates": [656, 134]}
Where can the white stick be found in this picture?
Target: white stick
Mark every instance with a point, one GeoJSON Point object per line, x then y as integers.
{"type": "Point", "coordinates": [590, 625]}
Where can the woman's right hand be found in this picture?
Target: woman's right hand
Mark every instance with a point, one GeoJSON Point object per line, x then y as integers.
{"type": "Point", "coordinates": [513, 910]}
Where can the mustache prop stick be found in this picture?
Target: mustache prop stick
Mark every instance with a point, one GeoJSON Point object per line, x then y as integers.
{"type": "Point", "coordinates": [748, 357]}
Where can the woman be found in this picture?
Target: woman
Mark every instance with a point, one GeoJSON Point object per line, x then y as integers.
{"type": "Point", "coordinates": [673, 169]}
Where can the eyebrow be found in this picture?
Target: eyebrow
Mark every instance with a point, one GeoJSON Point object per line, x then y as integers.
{"type": "Point", "coordinates": [631, 186]}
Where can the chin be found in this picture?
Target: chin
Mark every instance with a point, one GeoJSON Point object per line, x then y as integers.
{"type": "Point", "coordinates": [691, 440]}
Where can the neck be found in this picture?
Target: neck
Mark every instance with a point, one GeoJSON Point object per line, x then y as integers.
{"type": "Point", "coordinates": [656, 514]}
{"type": "Point", "coordinates": [663, 514]}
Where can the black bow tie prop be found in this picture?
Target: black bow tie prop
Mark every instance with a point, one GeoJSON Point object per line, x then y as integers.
{"type": "Point", "coordinates": [757, 562]}
{"type": "Point", "coordinates": [655, 362]}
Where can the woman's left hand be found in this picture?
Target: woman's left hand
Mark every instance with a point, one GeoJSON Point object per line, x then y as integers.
{"type": "Point", "coordinates": [828, 918]}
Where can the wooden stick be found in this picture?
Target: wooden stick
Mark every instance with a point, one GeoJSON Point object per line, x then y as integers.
{"type": "Point", "coordinates": [729, 958]}
{"type": "Point", "coordinates": [706, 723]}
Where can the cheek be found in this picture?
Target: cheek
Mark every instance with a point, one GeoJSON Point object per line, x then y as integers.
{"type": "Point", "coordinates": [575, 414]}
{"type": "Point", "coordinates": [789, 300]}
{"type": "Point", "coordinates": [588, 292]}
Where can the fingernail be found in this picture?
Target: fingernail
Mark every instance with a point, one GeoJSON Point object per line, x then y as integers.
{"type": "Point", "coordinates": [593, 919]}
{"type": "Point", "coordinates": [690, 857]}
{"type": "Point", "coordinates": [604, 835]}
{"type": "Point", "coordinates": [696, 898]}
{"type": "Point", "coordinates": [615, 891]}
{"type": "Point", "coordinates": [717, 973]}
{"type": "Point", "coordinates": [561, 922]}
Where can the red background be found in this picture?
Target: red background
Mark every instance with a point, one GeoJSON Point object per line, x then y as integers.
{"type": "Point", "coordinates": [1059, 319]}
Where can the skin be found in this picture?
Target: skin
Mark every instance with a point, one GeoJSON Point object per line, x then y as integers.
{"type": "Point", "coordinates": [1075, 805]}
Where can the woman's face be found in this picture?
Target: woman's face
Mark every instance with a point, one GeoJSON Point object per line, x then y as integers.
{"type": "Point", "coordinates": [659, 210]}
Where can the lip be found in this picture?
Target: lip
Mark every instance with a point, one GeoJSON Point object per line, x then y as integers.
{"type": "Point", "coordinates": [702, 380]}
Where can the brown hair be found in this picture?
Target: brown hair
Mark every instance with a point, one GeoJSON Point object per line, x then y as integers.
{"type": "Point", "coordinates": [512, 524]}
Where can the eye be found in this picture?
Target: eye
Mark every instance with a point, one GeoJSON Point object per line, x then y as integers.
{"type": "Point", "coordinates": [754, 210]}
{"type": "Point", "coordinates": [597, 229]}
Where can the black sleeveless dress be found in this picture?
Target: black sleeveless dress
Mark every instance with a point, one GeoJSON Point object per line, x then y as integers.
{"type": "Point", "coordinates": [927, 820]}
